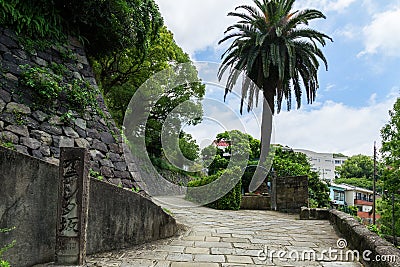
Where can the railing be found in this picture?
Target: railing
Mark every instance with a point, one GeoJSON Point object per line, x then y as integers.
{"type": "Point", "coordinates": [363, 201]}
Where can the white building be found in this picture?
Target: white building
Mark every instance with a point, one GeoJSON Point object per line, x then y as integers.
{"type": "Point", "coordinates": [323, 163]}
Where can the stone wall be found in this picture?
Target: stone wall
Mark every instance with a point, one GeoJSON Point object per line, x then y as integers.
{"type": "Point", "coordinates": [360, 238]}
{"type": "Point", "coordinates": [289, 194]}
{"type": "Point", "coordinates": [314, 214]}
{"type": "Point", "coordinates": [28, 201]}
{"type": "Point", "coordinates": [257, 202]}
{"type": "Point", "coordinates": [40, 131]}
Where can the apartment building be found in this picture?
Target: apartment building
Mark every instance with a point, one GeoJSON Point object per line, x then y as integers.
{"type": "Point", "coordinates": [323, 163]}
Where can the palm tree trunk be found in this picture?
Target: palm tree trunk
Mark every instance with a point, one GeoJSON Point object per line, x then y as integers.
{"type": "Point", "coordinates": [265, 161]}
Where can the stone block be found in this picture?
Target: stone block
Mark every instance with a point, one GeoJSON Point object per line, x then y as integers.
{"type": "Point", "coordinates": [256, 202]}
{"type": "Point", "coordinates": [31, 143]}
{"type": "Point", "coordinates": [4, 95]}
{"type": "Point", "coordinates": [52, 129]}
{"type": "Point", "coordinates": [100, 146]}
{"type": "Point", "coordinates": [68, 131]}
{"type": "Point", "coordinates": [107, 138]}
{"type": "Point", "coordinates": [2, 105]}
{"type": "Point", "coordinates": [66, 142]}
{"type": "Point", "coordinates": [93, 133]}
{"type": "Point", "coordinates": [55, 120]}
{"type": "Point", "coordinates": [107, 163]}
{"type": "Point", "coordinates": [120, 166]}
{"type": "Point", "coordinates": [82, 142]}
{"type": "Point", "coordinates": [21, 130]}
{"type": "Point", "coordinates": [42, 136]}
{"type": "Point", "coordinates": [31, 122]}
{"type": "Point", "coordinates": [6, 136]}
{"type": "Point", "coordinates": [40, 115]}
{"type": "Point", "coordinates": [45, 150]}
{"type": "Point", "coordinates": [22, 149]}
{"type": "Point", "coordinates": [80, 123]}
{"type": "Point", "coordinates": [96, 155]}
{"type": "Point", "coordinates": [16, 107]}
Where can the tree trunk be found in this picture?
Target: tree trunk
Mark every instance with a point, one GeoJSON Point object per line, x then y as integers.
{"type": "Point", "coordinates": [265, 162]}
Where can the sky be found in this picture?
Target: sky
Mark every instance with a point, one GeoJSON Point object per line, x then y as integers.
{"type": "Point", "coordinates": [355, 94]}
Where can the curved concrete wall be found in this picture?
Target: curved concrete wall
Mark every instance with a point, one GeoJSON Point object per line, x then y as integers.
{"type": "Point", "coordinates": [28, 201]}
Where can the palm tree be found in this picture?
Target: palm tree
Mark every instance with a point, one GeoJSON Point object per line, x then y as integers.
{"type": "Point", "coordinates": [274, 47]}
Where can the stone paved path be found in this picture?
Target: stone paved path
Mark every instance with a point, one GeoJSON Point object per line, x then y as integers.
{"type": "Point", "coordinates": [233, 238]}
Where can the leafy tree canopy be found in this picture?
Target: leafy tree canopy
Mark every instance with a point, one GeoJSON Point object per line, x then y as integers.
{"type": "Point", "coordinates": [273, 45]}
{"type": "Point", "coordinates": [289, 163]}
{"type": "Point", "coordinates": [391, 149]}
{"type": "Point", "coordinates": [391, 173]}
{"type": "Point", "coordinates": [358, 166]}
{"type": "Point", "coordinates": [106, 25]}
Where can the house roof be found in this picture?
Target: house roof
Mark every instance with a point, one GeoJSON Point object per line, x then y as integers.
{"type": "Point", "coordinates": [353, 188]}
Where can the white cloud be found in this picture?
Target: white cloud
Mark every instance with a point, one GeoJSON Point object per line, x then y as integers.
{"type": "Point", "coordinates": [326, 5]}
{"type": "Point", "coordinates": [382, 34]}
{"type": "Point", "coordinates": [335, 127]}
{"type": "Point", "coordinates": [198, 24]}
{"type": "Point", "coordinates": [349, 32]}
{"type": "Point", "coordinates": [328, 127]}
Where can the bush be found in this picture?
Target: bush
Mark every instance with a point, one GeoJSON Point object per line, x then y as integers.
{"type": "Point", "coordinates": [50, 87]}
{"type": "Point", "coordinates": [230, 201]}
{"type": "Point", "coordinates": [106, 25]}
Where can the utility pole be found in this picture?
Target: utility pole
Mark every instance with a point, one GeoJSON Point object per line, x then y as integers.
{"type": "Point", "coordinates": [374, 189]}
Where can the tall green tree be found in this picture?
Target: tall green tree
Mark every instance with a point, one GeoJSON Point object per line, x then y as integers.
{"type": "Point", "coordinates": [123, 72]}
{"type": "Point", "coordinates": [390, 150]}
{"type": "Point", "coordinates": [273, 46]}
{"type": "Point", "coordinates": [358, 166]}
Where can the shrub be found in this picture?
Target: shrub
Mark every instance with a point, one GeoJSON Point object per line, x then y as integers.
{"type": "Point", "coordinates": [50, 87]}
{"type": "Point", "coordinates": [230, 201]}
{"type": "Point", "coordinates": [106, 25]}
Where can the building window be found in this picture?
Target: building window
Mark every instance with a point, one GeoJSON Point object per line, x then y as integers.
{"type": "Point", "coordinates": [338, 195]}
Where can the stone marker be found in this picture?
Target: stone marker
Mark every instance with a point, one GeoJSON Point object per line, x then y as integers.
{"type": "Point", "coordinates": [73, 206]}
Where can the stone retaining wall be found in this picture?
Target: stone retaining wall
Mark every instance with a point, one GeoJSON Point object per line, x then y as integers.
{"type": "Point", "coordinates": [28, 201]}
{"type": "Point", "coordinates": [289, 194]}
{"type": "Point", "coordinates": [40, 131]}
{"type": "Point", "coordinates": [361, 239]}
{"type": "Point", "coordinates": [255, 202]}
{"type": "Point", "coordinates": [358, 237]}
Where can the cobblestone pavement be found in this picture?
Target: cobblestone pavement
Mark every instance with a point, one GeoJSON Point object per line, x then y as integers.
{"type": "Point", "coordinates": [234, 238]}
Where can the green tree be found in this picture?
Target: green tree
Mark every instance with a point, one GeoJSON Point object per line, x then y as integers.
{"type": "Point", "coordinates": [105, 25]}
{"type": "Point", "coordinates": [358, 166]}
{"type": "Point", "coordinates": [391, 174]}
{"type": "Point", "coordinates": [289, 163]}
{"type": "Point", "coordinates": [385, 209]}
{"type": "Point", "coordinates": [240, 147]}
{"type": "Point", "coordinates": [273, 46]}
{"type": "Point", "coordinates": [190, 149]}
{"type": "Point", "coordinates": [391, 150]}
{"type": "Point", "coordinates": [122, 73]}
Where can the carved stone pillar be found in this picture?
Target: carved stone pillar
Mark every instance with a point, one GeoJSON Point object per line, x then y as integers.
{"type": "Point", "coordinates": [73, 203]}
